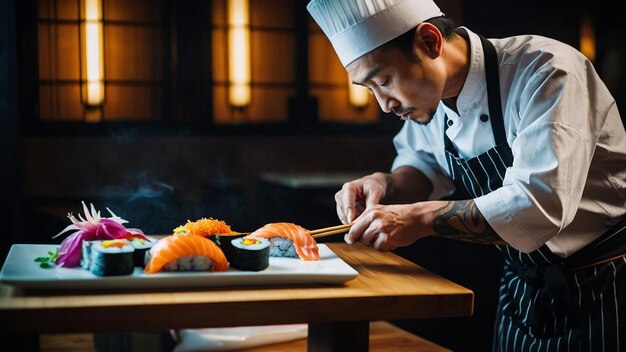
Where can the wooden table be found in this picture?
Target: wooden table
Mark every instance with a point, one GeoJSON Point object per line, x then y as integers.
{"type": "Point", "coordinates": [388, 287]}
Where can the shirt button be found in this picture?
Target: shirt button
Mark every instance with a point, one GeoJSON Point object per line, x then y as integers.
{"type": "Point", "coordinates": [450, 123]}
{"type": "Point", "coordinates": [484, 118]}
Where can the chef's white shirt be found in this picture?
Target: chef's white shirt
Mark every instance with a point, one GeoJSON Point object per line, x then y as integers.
{"type": "Point", "coordinates": [567, 184]}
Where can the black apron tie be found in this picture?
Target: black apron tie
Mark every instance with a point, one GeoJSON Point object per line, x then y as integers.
{"type": "Point", "coordinates": [551, 280]}
{"type": "Point", "coordinates": [554, 289]}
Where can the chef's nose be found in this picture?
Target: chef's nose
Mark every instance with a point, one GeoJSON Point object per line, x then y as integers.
{"type": "Point", "coordinates": [386, 102]}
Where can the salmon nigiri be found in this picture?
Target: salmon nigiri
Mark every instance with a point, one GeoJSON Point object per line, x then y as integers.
{"type": "Point", "coordinates": [286, 238]}
{"type": "Point", "coordinates": [180, 252]}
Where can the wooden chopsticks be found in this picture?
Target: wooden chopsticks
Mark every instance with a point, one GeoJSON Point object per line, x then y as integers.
{"type": "Point", "coordinates": [333, 230]}
{"type": "Point", "coordinates": [319, 233]}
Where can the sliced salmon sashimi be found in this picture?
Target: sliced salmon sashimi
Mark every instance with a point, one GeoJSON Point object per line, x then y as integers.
{"type": "Point", "coordinates": [173, 247]}
{"type": "Point", "coordinates": [305, 245]}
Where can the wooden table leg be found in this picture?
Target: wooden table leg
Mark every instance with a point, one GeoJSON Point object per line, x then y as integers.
{"type": "Point", "coordinates": [339, 336]}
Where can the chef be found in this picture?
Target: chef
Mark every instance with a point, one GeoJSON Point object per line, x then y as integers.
{"type": "Point", "coordinates": [526, 138]}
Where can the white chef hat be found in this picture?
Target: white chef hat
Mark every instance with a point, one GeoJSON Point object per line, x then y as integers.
{"type": "Point", "coordinates": [356, 27]}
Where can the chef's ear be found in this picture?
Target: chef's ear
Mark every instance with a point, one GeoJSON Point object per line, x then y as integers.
{"type": "Point", "coordinates": [429, 39]}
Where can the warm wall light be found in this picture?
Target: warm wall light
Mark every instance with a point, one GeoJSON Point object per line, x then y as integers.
{"type": "Point", "coordinates": [587, 38]}
{"type": "Point", "coordinates": [238, 53]}
{"type": "Point", "coordinates": [92, 53]}
{"type": "Point", "coordinates": [358, 95]}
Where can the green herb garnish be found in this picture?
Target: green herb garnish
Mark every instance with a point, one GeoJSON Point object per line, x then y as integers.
{"type": "Point", "coordinates": [48, 262]}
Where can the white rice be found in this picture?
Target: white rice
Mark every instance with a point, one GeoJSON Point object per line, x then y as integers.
{"type": "Point", "coordinates": [282, 247]}
{"type": "Point", "coordinates": [139, 243]}
{"type": "Point", "coordinates": [97, 245]}
{"type": "Point", "coordinates": [190, 263]}
{"type": "Point", "coordinates": [262, 243]}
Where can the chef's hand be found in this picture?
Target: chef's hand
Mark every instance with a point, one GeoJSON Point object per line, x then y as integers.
{"type": "Point", "coordinates": [387, 227]}
{"type": "Point", "coordinates": [355, 196]}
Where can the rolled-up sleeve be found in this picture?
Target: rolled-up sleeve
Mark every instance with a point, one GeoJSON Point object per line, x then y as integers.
{"type": "Point", "coordinates": [552, 152]}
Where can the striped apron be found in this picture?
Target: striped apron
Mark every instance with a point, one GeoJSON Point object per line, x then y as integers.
{"type": "Point", "coordinates": [546, 303]}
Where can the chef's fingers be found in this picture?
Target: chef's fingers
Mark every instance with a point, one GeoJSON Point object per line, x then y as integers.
{"type": "Point", "coordinates": [360, 208]}
{"type": "Point", "coordinates": [361, 230]}
{"type": "Point", "coordinates": [355, 231]}
{"type": "Point", "coordinates": [373, 194]}
{"type": "Point", "coordinates": [382, 243]}
{"type": "Point", "coordinates": [372, 229]}
{"type": "Point", "coordinates": [342, 206]}
{"type": "Point", "coordinates": [368, 238]}
{"type": "Point", "coordinates": [339, 208]}
{"type": "Point", "coordinates": [347, 201]}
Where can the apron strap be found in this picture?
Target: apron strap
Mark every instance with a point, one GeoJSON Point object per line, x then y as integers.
{"type": "Point", "coordinates": [492, 77]}
{"type": "Point", "coordinates": [483, 173]}
{"type": "Point", "coordinates": [493, 95]}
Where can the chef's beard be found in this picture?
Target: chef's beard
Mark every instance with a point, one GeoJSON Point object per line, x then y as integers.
{"type": "Point", "coordinates": [431, 116]}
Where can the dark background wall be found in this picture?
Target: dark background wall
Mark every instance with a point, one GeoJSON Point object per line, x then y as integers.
{"type": "Point", "coordinates": [159, 182]}
{"type": "Point", "coordinates": [10, 207]}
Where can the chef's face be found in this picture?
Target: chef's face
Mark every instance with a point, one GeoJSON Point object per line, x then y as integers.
{"type": "Point", "coordinates": [408, 85]}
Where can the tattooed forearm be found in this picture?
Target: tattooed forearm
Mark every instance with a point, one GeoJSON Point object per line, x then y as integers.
{"type": "Point", "coordinates": [461, 220]}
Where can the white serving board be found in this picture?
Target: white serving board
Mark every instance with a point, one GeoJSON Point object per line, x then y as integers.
{"type": "Point", "coordinates": [20, 270]}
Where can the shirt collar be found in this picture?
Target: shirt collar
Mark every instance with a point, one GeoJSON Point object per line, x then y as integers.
{"type": "Point", "coordinates": [475, 83]}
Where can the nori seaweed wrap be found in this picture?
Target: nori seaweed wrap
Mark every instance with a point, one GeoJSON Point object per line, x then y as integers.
{"type": "Point", "coordinates": [224, 242]}
{"type": "Point", "coordinates": [141, 246]}
{"type": "Point", "coordinates": [250, 254]}
{"type": "Point", "coordinates": [108, 258]}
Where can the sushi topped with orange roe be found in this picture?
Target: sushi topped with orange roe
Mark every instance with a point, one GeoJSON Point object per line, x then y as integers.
{"type": "Point", "coordinates": [217, 230]}
{"type": "Point", "coordinates": [204, 227]}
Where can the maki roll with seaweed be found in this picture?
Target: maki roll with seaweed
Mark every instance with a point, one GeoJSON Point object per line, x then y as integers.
{"type": "Point", "coordinates": [141, 246]}
{"type": "Point", "coordinates": [250, 254]}
{"type": "Point", "coordinates": [226, 244]}
{"type": "Point", "coordinates": [108, 257]}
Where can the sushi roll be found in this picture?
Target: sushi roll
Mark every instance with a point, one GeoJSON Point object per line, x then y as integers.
{"type": "Point", "coordinates": [85, 260]}
{"type": "Point", "coordinates": [250, 254]}
{"type": "Point", "coordinates": [181, 252]}
{"type": "Point", "coordinates": [225, 243]}
{"type": "Point", "coordinates": [141, 246]}
{"type": "Point", "coordinates": [288, 240]}
{"type": "Point", "coordinates": [108, 258]}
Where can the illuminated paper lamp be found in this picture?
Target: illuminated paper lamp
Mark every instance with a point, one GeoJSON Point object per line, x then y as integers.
{"type": "Point", "coordinates": [92, 56]}
{"type": "Point", "coordinates": [238, 53]}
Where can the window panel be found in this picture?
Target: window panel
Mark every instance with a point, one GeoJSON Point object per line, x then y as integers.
{"type": "Point", "coordinates": [132, 103]}
{"type": "Point", "coordinates": [132, 53]}
{"type": "Point", "coordinates": [136, 50]}
{"type": "Point", "coordinates": [57, 100]}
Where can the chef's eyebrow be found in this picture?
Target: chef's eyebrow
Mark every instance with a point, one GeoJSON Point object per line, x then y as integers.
{"type": "Point", "coordinates": [368, 76]}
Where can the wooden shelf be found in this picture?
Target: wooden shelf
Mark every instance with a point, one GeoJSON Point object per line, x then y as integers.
{"type": "Point", "coordinates": [384, 337]}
